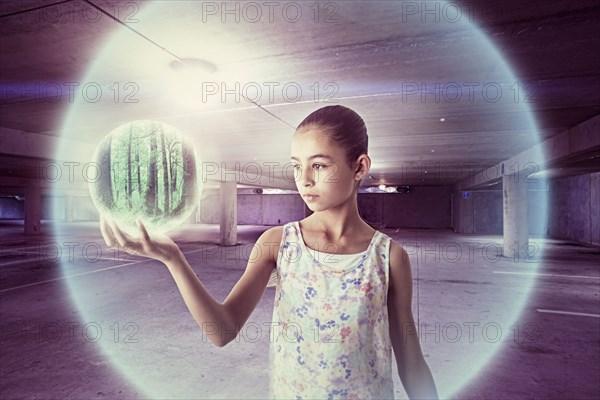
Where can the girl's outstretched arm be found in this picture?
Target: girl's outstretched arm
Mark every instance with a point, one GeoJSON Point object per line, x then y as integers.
{"type": "Point", "coordinates": [220, 322]}
{"type": "Point", "coordinates": [412, 368]}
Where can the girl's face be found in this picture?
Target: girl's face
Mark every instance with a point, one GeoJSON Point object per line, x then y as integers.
{"type": "Point", "coordinates": [321, 170]}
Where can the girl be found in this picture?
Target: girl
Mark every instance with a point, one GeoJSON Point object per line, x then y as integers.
{"type": "Point", "coordinates": [337, 313]}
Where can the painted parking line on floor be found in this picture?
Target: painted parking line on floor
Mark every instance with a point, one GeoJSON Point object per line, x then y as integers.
{"type": "Point", "coordinates": [568, 313]}
{"type": "Point", "coordinates": [542, 274]}
{"type": "Point", "coordinates": [50, 259]}
{"type": "Point", "coordinates": [92, 272]}
{"type": "Point", "coordinates": [63, 277]}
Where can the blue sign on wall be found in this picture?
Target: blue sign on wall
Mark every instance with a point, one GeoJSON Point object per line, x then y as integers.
{"type": "Point", "coordinates": [466, 195]}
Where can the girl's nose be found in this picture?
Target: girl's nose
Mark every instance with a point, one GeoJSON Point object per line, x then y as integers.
{"type": "Point", "coordinates": [306, 177]}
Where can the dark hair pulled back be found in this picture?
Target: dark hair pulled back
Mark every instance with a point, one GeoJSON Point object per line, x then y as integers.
{"type": "Point", "coordinates": [344, 128]}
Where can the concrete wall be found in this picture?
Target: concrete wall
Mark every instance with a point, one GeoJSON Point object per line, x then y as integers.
{"type": "Point", "coordinates": [573, 205]}
{"type": "Point", "coordinates": [12, 208]}
{"type": "Point", "coordinates": [423, 207]}
{"type": "Point", "coordinates": [575, 208]}
{"type": "Point", "coordinates": [256, 209]}
{"type": "Point", "coordinates": [487, 213]}
{"type": "Point", "coordinates": [53, 208]}
{"type": "Point", "coordinates": [59, 211]}
{"type": "Point", "coordinates": [481, 212]}
{"type": "Point", "coordinates": [84, 209]}
{"type": "Point", "coordinates": [462, 212]}
{"type": "Point", "coordinates": [429, 208]}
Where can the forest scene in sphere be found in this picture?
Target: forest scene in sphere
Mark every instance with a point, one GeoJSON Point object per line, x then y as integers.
{"type": "Point", "coordinates": [147, 169]}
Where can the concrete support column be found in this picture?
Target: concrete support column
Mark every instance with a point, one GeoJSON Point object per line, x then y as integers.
{"type": "Point", "coordinates": [516, 227]}
{"type": "Point", "coordinates": [33, 210]}
{"type": "Point", "coordinates": [228, 216]}
{"type": "Point", "coordinates": [69, 208]}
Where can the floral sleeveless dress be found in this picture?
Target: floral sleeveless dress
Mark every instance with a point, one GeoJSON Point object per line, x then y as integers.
{"type": "Point", "coordinates": [330, 331]}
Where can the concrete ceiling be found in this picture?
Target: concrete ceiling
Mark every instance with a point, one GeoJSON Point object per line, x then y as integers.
{"type": "Point", "coordinates": [368, 55]}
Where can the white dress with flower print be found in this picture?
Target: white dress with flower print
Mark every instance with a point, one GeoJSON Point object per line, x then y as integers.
{"type": "Point", "coordinates": [330, 331]}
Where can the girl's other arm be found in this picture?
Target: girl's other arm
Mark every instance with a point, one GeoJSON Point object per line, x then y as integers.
{"type": "Point", "coordinates": [245, 295]}
{"type": "Point", "coordinates": [412, 368]}
{"type": "Point", "coordinates": [222, 322]}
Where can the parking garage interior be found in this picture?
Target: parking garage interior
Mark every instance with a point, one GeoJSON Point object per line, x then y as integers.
{"type": "Point", "coordinates": [484, 131]}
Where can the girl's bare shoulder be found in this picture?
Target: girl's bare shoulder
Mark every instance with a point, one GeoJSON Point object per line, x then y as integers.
{"type": "Point", "coordinates": [400, 268]}
{"type": "Point", "coordinates": [271, 239]}
{"type": "Point", "coordinates": [398, 254]}
{"type": "Point", "coordinates": [276, 232]}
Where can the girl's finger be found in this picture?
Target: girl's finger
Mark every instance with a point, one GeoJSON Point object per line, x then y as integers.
{"type": "Point", "coordinates": [145, 236]}
{"type": "Point", "coordinates": [107, 234]}
{"type": "Point", "coordinates": [119, 234]}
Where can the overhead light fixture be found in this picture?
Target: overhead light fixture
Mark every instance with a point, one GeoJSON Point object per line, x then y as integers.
{"type": "Point", "coordinates": [193, 64]}
{"type": "Point", "coordinates": [382, 186]}
{"type": "Point", "coordinates": [442, 119]}
{"type": "Point", "coordinates": [184, 63]}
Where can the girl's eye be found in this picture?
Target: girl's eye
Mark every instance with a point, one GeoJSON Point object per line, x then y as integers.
{"type": "Point", "coordinates": [316, 166]}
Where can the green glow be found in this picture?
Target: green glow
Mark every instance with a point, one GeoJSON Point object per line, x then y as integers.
{"type": "Point", "coordinates": [147, 170]}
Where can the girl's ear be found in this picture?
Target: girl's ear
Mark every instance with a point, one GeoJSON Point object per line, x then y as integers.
{"type": "Point", "coordinates": [363, 165]}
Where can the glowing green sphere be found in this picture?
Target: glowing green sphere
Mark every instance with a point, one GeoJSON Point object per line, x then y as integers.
{"type": "Point", "coordinates": [146, 169]}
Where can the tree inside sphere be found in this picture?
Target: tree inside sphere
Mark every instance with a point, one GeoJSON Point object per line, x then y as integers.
{"type": "Point", "coordinates": [148, 170]}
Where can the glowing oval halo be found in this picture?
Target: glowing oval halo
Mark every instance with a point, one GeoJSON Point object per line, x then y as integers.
{"type": "Point", "coordinates": [146, 363]}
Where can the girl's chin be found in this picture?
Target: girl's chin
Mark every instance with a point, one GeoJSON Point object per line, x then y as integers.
{"type": "Point", "coordinates": [312, 206]}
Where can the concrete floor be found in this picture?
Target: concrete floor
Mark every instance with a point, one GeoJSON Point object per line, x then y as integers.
{"type": "Point", "coordinates": [117, 328]}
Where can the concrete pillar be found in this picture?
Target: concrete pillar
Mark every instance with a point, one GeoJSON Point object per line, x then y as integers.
{"type": "Point", "coordinates": [33, 210]}
{"type": "Point", "coordinates": [228, 216]}
{"type": "Point", "coordinates": [69, 208]}
{"type": "Point", "coordinates": [515, 225]}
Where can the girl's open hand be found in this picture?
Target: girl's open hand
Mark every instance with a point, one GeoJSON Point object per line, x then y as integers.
{"type": "Point", "coordinates": [159, 247]}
